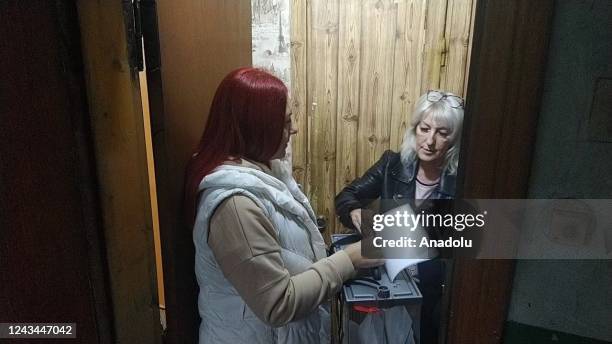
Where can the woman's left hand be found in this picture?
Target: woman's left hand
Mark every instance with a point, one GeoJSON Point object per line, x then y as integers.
{"type": "Point", "coordinates": [356, 218]}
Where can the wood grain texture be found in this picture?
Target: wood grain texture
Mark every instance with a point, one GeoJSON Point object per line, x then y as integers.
{"type": "Point", "coordinates": [470, 46]}
{"type": "Point", "coordinates": [407, 66]}
{"type": "Point", "coordinates": [299, 102]}
{"type": "Point", "coordinates": [388, 53]}
{"type": "Point", "coordinates": [348, 93]}
{"type": "Point", "coordinates": [119, 142]}
{"type": "Point", "coordinates": [434, 44]}
{"type": "Point", "coordinates": [378, 41]}
{"type": "Point", "coordinates": [457, 38]}
{"type": "Point", "coordinates": [489, 57]}
{"type": "Point", "coordinates": [323, 100]}
{"type": "Point", "coordinates": [506, 76]}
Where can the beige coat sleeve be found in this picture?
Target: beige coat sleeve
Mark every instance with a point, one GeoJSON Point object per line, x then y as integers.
{"type": "Point", "coordinates": [246, 247]}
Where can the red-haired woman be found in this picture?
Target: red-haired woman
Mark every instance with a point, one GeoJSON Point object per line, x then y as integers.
{"type": "Point", "coordinates": [260, 260]}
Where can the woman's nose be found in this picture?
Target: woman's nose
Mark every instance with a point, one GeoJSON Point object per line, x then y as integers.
{"type": "Point", "coordinates": [430, 139]}
{"type": "Point", "coordinates": [293, 131]}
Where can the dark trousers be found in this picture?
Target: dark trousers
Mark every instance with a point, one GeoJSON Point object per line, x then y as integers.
{"type": "Point", "coordinates": [431, 276]}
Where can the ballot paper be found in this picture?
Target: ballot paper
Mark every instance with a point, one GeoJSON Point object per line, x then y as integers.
{"type": "Point", "coordinates": [395, 266]}
{"type": "Point", "coordinates": [416, 254]}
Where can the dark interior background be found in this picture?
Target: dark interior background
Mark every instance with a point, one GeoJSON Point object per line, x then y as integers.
{"type": "Point", "coordinates": [51, 265]}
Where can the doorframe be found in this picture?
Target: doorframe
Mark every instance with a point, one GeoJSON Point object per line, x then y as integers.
{"type": "Point", "coordinates": [172, 145]}
{"type": "Point", "coordinates": [117, 130]}
{"type": "Point", "coordinates": [508, 61]}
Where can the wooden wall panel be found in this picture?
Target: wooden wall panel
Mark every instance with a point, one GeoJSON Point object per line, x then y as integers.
{"type": "Point", "coordinates": [323, 100]}
{"type": "Point", "coordinates": [434, 44]}
{"type": "Point", "coordinates": [378, 35]}
{"type": "Point", "coordinates": [373, 59]}
{"type": "Point", "coordinates": [407, 66]}
{"type": "Point", "coordinates": [470, 46]}
{"type": "Point", "coordinates": [348, 92]}
{"type": "Point", "coordinates": [299, 103]}
{"type": "Point", "coordinates": [458, 26]}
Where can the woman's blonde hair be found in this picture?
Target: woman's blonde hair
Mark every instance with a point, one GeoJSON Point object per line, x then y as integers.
{"type": "Point", "coordinates": [445, 111]}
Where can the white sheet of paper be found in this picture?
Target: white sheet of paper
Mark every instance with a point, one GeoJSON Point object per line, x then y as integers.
{"type": "Point", "coordinates": [394, 266]}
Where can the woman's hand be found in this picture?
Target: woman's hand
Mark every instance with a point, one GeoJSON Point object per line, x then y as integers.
{"type": "Point", "coordinates": [356, 218]}
{"type": "Point", "coordinates": [359, 262]}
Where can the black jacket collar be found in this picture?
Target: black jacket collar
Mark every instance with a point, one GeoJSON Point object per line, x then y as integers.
{"type": "Point", "coordinates": [407, 174]}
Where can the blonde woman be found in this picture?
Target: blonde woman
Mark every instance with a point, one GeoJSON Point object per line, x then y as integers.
{"type": "Point", "coordinates": [425, 168]}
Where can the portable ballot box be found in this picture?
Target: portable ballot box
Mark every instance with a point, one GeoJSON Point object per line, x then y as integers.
{"type": "Point", "coordinates": [375, 307]}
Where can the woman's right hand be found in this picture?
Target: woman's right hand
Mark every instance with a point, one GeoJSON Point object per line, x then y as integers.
{"type": "Point", "coordinates": [359, 262]}
{"type": "Point", "coordinates": [356, 218]}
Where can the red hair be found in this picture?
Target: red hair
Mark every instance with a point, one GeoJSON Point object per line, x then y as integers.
{"type": "Point", "coordinates": [246, 120]}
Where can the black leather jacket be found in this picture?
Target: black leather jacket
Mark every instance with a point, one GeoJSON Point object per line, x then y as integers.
{"type": "Point", "coordinates": [391, 181]}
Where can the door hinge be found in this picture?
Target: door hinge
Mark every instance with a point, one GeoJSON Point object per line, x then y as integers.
{"type": "Point", "coordinates": [133, 24]}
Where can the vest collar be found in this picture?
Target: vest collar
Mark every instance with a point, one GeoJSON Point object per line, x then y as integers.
{"type": "Point", "coordinates": [251, 164]}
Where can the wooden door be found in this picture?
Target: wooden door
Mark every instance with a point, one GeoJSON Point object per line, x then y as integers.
{"type": "Point", "coordinates": [189, 47]}
{"type": "Point", "coordinates": [110, 59]}
{"type": "Point", "coordinates": [52, 262]}
{"type": "Point", "coordinates": [508, 61]}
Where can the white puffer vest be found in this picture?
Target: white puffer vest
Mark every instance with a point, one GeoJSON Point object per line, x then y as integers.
{"type": "Point", "coordinates": [225, 316]}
